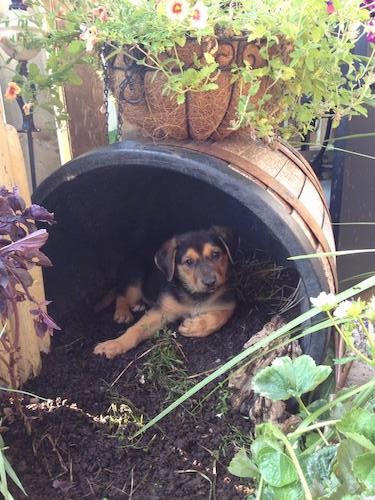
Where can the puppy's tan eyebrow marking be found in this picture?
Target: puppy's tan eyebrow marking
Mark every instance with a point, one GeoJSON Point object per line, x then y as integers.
{"type": "Point", "coordinates": [208, 248]}
{"type": "Point", "coordinates": [191, 254]}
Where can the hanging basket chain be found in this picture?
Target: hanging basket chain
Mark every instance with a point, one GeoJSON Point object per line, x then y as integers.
{"type": "Point", "coordinates": [105, 64]}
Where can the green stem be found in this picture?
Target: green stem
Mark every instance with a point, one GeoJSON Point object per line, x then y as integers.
{"type": "Point", "coordinates": [368, 388]}
{"type": "Point", "coordinates": [297, 466]}
{"type": "Point", "coordinates": [260, 489]}
{"type": "Point", "coordinates": [364, 358]}
{"type": "Point", "coordinates": [363, 397]}
{"type": "Point", "coordinates": [366, 332]}
{"type": "Point", "coordinates": [302, 405]}
{"type": "Point", "coordinates": [317, 426]}
{"type": "Point", "coordinates": [362, 155]}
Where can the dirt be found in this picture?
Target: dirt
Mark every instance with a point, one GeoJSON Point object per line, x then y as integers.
{"type": "Point", "coordinates": [80, 445]}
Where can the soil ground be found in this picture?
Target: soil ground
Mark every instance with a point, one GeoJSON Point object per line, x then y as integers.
{"type": "Point", "coordinates": [79, 445]}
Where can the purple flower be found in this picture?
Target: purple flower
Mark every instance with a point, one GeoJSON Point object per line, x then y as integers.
{"type": "Point", "coordinates": [370, 37]}
{"type": "Point", "coordinates": [43, 322]}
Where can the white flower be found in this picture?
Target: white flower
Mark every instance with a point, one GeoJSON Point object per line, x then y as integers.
{"type": "Point", "coordinates": [199, 16]}
{"type": "Point", "coordinates": [177, 9]}
{"type": "Point", "coordinates": [324, 301]}
{"type": "Point", "coordinates": [137, 3]}
{"type": "Point", "coordinates": [342, 310]}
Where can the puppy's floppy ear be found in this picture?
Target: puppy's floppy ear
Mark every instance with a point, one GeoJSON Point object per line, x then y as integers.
{"type": "Point", "coordinates": [228, 239]}
{"type": "Point", "coordinates": [165, 258]}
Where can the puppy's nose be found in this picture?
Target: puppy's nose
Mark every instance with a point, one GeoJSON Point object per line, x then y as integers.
{"type": "Point", "coordinates": [209, 282]}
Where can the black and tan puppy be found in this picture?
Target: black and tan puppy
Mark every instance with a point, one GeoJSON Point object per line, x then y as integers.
{"type": "Point", "coordinates": [190, 282]}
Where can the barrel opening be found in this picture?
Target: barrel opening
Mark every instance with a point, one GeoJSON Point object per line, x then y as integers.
{"type": "Point", "coordinates": [110, 202]}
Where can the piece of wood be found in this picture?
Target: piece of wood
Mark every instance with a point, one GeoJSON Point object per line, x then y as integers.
{"type": "Point", "coordinates": [13, 172]}
{"type": "Point", "coordinates": [87, 127]}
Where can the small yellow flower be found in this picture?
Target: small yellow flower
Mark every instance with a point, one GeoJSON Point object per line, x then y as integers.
{"type": "Point", "coordinates": [356, 308]}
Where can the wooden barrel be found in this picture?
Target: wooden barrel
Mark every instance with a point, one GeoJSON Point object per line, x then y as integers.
{"type": "Point", "coordinates": [112, 200]}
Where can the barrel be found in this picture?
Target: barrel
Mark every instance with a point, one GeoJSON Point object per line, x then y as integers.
{"type": "Point", "coordinates": [110, 201]}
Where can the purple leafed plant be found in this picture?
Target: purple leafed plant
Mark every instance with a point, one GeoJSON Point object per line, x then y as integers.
{"type": "Point", "coordinates": [20, 243]}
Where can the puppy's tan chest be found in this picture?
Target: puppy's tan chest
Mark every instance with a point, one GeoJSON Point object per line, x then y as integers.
{"type": "Point", "coordinates": [189, 308]}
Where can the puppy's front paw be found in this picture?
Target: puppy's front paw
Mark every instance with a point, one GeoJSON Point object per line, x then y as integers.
{"type": "Point", "coordinates": [123, 316]}
{"type": "Point", "coordinates": [110, 349]}
{"type": "Point", "coordinates": [192, 327]}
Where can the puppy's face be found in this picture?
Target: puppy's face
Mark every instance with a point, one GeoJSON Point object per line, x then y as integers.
{"type": "Point", "coordinates": [200, 259]}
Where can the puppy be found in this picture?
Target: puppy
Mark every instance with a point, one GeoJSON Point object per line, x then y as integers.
{"type": "Point", "coordinates": [189, 281]}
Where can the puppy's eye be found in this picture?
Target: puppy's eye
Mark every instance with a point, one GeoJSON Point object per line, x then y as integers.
{"type": "Point", "coordinates": [215, 255]}
{"type": "Point", "coordinates": [189, 262]}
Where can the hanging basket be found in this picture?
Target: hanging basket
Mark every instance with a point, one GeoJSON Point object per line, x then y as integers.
{"type": "Point", "coordinates": [204, 115]}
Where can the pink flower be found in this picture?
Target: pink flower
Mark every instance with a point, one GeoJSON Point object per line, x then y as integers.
{"type": "Point", "coordinates": [12, 91]}
{"type": "Point", "coordinates": [199, 16]}
{"type": "Point", "coordinates": [90, 36]}
{"type": "Point", "coordinates": [101, 12]}
{"type": "Point", "coordinates": [177, 9]}
{"type": "Point", "coordinates": [330, 7]}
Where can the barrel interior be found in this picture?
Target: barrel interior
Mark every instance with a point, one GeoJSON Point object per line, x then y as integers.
{"type": "Point", "coordinates": [105, 218]}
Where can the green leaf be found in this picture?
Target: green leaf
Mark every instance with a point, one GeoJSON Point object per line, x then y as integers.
{"type": "Point", "coordinates": [181, 41]}
{"type": "Point", "coordinates": [242, 466]}
{"type": "Point", "coordinates": [315, 405]}
{"type": "Point", "coordinates": [33, 70]}
{"type": "Point", "coordinates": [286, 378]}
{"type": "Point", "coordinates": [76, 46]}
{"type": "Point", "coordinates": [347, 451]}
{"type": "Point", "coordinates": [358, 421]}
{"type": "Point", "coordinates": [209, 58]}
{"type": "Point", "coordinates": [364, 469]}
{"type": "Point", "coordinates": [361, 440]}
{"type": "Point", "coordinates": [13, 476]}
{"type": "Point", "coordinates": [275, 467]}
{"type": "Point", "coordinates": [289, 492]}
{"type": "Point", "coordinates": [369, 101]}
{"type": "Point", "coordinates": [180, 98]}
{"type": "Point", "coordinates": [319, 464]}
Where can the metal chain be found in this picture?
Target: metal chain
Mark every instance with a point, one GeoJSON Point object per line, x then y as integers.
{"type": "Point", "coordinates": [120, 121]}
{"type": "Point", "coordinates": [105, 65]}
{"type": "Point", "coordinates": [130, 70]}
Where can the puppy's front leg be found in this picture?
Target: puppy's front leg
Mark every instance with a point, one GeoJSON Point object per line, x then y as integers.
{"type": "Point", "coordinates": [204, 324]}
{"type": "Point", "coordinates": [149, 324]}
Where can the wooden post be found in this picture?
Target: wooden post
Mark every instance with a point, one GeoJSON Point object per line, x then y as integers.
{"type": "Point", "coordinates": [13, 173]}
